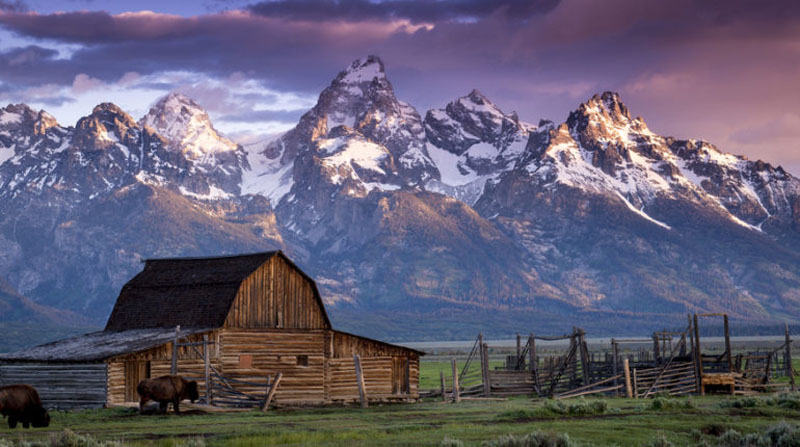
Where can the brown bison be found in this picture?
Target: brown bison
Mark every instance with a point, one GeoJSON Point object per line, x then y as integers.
{"type": "Point", "coordinates": [166, 389]}
{"type": "Point", "coordinates": [21, 403]}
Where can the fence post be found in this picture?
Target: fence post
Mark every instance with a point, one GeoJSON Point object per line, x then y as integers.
{"type": "Point", "coordinates": [444, 388]}
{"type": "Point", "coordinates": [789, 366]}
{"type": "Point", "coordinates": [173, 370]}
{"type": "Point", "coordinates": [656, 353]}
{"type": "Point", "coordinates": [728, 343]}
{"type": "Point", "coordinates": [362, 392]}
{"type": "Point", "coordinates": [698, 358]}
{"type": "Point", "coordinates": [519, 347]}
{"type": "Point", "coordinates": [586, 365]}
{"type": "Point", "coordinates": [534, 365]}
{"type": "Point", "coordinates": [635, 385]}
{"type": "Point", "coordinates": [456, 391]}
{"type": "Point", "coordinates": [626, 367]}
{"type": "Point", "coordinates": [487, 391]}
{"type": "Point", "coordinates": [615, 360]}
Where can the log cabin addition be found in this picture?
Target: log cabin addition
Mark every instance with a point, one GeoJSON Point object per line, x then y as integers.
{"type": "Point", "coordinates": [258, 314]}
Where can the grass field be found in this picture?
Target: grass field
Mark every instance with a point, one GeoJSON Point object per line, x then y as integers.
{"type": "Point", "coordinates": [625, 423]}
{"type": "Point", "coordinates": [622, 422]}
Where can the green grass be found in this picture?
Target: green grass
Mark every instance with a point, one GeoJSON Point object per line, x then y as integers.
{"type": "Point", "coordinates": [622, 422]}
{"type": "Point", "coordinates": [429, 378]}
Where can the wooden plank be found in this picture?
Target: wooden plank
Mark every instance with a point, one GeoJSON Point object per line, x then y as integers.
{"type": "Point", "coordinates": [271, 393]}
{"type": "Point", "coordinates": [626, 368]}
{"type": "Point", "coordinates": [444, 389]}
{"type": "Point", "coordinates": [362, 392]}
{"type": "Point", "coordinates": [174, 368]}
{"type": "Point", "coordinates": [456, 391]}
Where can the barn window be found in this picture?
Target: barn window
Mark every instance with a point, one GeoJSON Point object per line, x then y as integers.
{"type": "Point", "coordinates": [302, 360]}
{"type": "Point", "coordinates": [246, 361]}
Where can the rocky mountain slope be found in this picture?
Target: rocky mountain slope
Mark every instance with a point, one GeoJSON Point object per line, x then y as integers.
{"type": "Point", "coordinates": [466, 219]}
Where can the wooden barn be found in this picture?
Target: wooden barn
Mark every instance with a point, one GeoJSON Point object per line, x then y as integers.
{"type": "Point", "coordinates": [242, 319]}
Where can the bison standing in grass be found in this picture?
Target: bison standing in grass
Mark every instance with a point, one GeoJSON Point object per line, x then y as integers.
{"type": "Point", "coordinates": [166, 389]}
{"type": "Point", "coordinates": [21, 403]}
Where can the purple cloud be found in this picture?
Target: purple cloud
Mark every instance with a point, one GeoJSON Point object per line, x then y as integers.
{"type": "Point", "coordinates": [692, 68]}
{"type": "Point", "coordinates": [414, 10]}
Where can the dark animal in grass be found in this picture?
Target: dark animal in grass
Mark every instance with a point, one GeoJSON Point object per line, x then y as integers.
{"type": "Point", "coordinates": [21, 403]}
{"type": "Point", "coordinates": [166, 389]}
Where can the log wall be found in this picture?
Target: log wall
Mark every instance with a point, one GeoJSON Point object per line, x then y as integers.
{"type": "Point", "coordinates": [190, 365]}
{"type": "Point", "coordinates": [346, 345]}
{"type": "Point", "coordinates": [276, 295]}
{"type": "Point", "coordinates": [377, 372]}
{"type": "Point", "coordinates": [60, 385]}
{"type": "Point", "coordinates": [299, 355]}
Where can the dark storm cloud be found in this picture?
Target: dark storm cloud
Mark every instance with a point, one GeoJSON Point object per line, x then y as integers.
{"type": "Point", "coordinates": [414, 10]}
{"type": "Point", "coordinates": [13, 6]}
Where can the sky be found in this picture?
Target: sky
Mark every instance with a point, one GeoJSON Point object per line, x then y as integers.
{"type": "Point", "coordinates": [725, 71]}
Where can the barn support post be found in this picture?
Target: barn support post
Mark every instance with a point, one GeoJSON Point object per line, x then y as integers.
{"type": "Point", "coordinates": [444, 388]}
{"type": "Point", "coordinates": [207, 369]}
{"type": "Point", "coordinates": [173, 370]}
{"type": "Point", "coordinates": [362, 392]}
{"type": "Point", "coordinates": [627, 371]}
{"type": "Point", "coordinates": [519, 347]}
{"type": "Point", "coordinates": [487, 390]}
{"type": "Point", "coordinates": [789, 368]}
{"type": "Point", "coordinates": [728, 350]}
{"type": "Point", "coordinates": [456, 391]}
{"type": "Point", "coordinates": [271, 393]}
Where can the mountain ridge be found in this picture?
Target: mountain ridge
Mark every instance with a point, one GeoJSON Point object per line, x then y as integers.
{"type": "Point", "coordinates": [464, 207]}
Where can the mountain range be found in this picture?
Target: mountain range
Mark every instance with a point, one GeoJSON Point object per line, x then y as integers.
{"type": "Point", "coordinates": [415, 226]}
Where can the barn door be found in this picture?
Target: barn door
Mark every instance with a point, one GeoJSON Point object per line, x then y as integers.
{"type": "Point", "coordinates": [135, 372]}
{"type": "Point", "coordinates": [400, 383]}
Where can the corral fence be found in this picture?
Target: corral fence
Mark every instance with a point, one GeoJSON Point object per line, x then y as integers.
{"type": "Point", "coordinates": [675, 364]}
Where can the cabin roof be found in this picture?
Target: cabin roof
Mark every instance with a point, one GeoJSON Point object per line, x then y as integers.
{"type": "Point", "coordinates": [191, 292]}
{"type": "Point", "coordinates": [98, 346]}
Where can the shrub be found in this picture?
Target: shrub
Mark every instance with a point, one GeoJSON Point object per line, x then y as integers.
{"type": "Point", "coordinates": [668, 403]}
{"type": "Point", "coordinates": [450, 442]}
{"type": "Point", "coordinates": [535, 439]}
{"type": "Point", "coordinates": [660, 441]}
{"type": "Point", "coordinates": [790, 439]}
{"type": "Point", "coordinates": [577, 408]}
{"type": "Point", "coordinates": [777, 431]}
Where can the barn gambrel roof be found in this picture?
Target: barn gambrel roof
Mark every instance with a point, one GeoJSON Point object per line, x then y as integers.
{"type": "Point", "coordinates": [190, 292]}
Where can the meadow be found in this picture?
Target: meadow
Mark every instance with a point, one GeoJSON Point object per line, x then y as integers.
{"type": "Point", "coordinates": [591, 422]}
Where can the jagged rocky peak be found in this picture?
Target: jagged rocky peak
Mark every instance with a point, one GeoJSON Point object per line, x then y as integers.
{"type": "Point", "coordinates": [23, 117]}
{"type": "Point", "coordinates": [186, 126]}
{"type": "Point", "coordinates": [106, 126]}
{"type": "Point", "coordinates": [360, 99]}
{"type": "Point", "coordinates": [361, 71]}
{"type": "Point", "coordinates": [472, 119]}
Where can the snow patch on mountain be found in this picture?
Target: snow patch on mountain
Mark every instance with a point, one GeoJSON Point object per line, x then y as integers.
{"type": "Point", "coordinates": [187, 127]}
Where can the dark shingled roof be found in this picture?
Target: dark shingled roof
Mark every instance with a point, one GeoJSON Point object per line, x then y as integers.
{"type": "Point", "coordinates": [98, 346]}
{"type": "Point", "coordinates": [191, 292]}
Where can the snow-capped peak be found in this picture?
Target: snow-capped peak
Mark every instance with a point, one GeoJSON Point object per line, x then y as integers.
{"type": "Point", "coordinates": [186, 126]}
{"type": "Point", "coordinates": [363, 70]}
{"type": "Point", "coordinates": [608, 105]}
